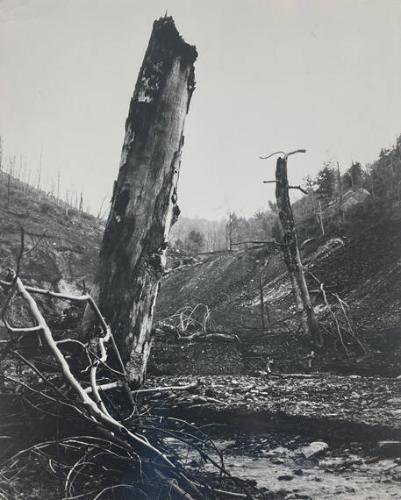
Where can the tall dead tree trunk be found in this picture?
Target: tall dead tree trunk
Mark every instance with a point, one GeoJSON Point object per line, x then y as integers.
{"type": "Point", "coordinates": [340, 192]}
{"type": "Point", "coordinates": [262, 303]}
{"type": "Point", "coordinates": [229, 232]}
{"type": "Point", "coordinates": [292, 257]}
{"type": "Point", "coordinates": [143, 207]}
{"type": "Point", "coordinates": [320, 215]}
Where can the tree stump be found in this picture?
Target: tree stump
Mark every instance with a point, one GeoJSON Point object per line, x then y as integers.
{"type": "Point", "coordinates": [144, 201]}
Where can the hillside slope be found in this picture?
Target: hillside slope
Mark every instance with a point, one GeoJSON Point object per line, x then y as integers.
{"type": "Point", "coordinates": [362, 264]}
{"type": "Point", "coordinates": [61, 244]}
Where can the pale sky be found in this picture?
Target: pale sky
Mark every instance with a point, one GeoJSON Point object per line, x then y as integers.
{"type": "Point", "coordinates": [324, 75]}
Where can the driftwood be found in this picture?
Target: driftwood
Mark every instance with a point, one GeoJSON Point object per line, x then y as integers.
{"type": "Point", "coordinates": [172, 388]}
{"type": "Point", "coordinates": [118, 384]}
{"type": "Point", "coordinates": [144, 202]}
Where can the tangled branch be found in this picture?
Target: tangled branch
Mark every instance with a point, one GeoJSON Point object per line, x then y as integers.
{"type": "Point", "coordinates": [193, 323]}
{"type": "Point", "coordinates": [117, 446]}
{"type": "Point", "coordinates": [91, 403]}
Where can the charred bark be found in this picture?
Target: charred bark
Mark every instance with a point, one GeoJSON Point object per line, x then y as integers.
{"type": "Point", "coordinates": [292, 257]}
{"type": "Point", "coordinates": [144, 203]}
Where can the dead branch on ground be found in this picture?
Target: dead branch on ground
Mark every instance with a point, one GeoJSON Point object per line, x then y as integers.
{"type": "Point", "coordinates": [193, 323]}
{"type": "Point", "coordinates": [90, 404]}
{"type": "Point", "coordinates": [343, 323]}
{"type": "Point", "coordinates": [83, 393]}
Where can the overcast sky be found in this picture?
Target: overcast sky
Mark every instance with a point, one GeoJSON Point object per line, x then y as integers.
{"type": "Point", "coordinates": [271, 74]}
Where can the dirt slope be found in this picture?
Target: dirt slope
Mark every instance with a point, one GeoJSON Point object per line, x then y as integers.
{"type": "Point", "coordinates": [362, 266]}
{"type": "Point", "coordinates": [61, 245]}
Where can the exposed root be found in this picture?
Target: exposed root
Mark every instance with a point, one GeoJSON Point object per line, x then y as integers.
{"type": "Point", "coordinates": [109, 446]}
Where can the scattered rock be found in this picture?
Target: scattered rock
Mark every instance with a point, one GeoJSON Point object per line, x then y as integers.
{"type": "Point", "coordinates": [314, 449]}
{"type": "Point", "coordinates": [223, 444]}
{"type": "Point", "coordinates": [395, 401]}
{"type": "Point", "coordinates": [285, 477]}
{"type": "Point", "coordinates": [279, 451]}
{"type": "Point", "coordinates": [396, 476]}
{"type": "Point", "coordinates": [298, 496]}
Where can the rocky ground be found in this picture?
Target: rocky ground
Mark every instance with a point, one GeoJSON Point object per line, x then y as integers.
{"type": "Point", "coordinates": [295, 437]}
{"type": "Point", "coordinates": [289, 466]}
{"type": "Point", "coordinates": [265, 424]}
{"type": "Point", "coordinates": [324, 405]}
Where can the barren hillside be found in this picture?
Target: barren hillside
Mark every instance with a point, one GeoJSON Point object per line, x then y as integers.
{"type": "Point", "coordinates": [362, 265]}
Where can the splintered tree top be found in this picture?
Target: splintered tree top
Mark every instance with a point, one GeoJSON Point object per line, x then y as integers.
{"type": "Point", "coordinates": [165, 48]}
{"type": "Point", "coordinates": [166, 34]}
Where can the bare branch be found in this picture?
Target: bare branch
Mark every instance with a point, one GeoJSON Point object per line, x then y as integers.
{"type": "Point", "coordinates": [271, 242]}
{"type": "Point", "coordinates": [21, 252]}
{"type": "Point", "coordinates": [295, 152]}
{"type": "Point", "coordinates": [73, 298]}
{"type": "Point", "coordinates": [95, 407]}
{"type": "Point", "coordinates": [339, 333]}
{"type": "Point", "coordinates": [299, 188]}
{"type": "Point", "coordinates": [30, 329]}
{"type": "Point", "coordinates": [272, 154]}
{"type": "Point", "coordinates": [286, 155]}
{"type": "Point", "coordinates": [168, 389]}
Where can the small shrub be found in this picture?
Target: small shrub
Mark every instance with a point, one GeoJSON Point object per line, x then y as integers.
{"type": "Point", "coordinates": [87, 216]}
{"type": "Point", "coordinates": [45, 207]}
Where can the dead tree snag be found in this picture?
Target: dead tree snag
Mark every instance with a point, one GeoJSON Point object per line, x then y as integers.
{"type": "Point", "coordinates": [144, 202]}
{"type": "Point", "coordinates": [292, 257]}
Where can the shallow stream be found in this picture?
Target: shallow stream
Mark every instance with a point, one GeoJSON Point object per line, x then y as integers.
{"type": "Point", "coordinates": [277, 462]}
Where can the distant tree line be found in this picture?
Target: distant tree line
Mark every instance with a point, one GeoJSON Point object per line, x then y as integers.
{"type": "Point", "coordinates": [382, 179]}
{"type": "Point", "coordinates": [200, 235]}
{"type": "Point", "coordinates": [322, 209]}
{"type": "Point", "coordinates": [313, 212]}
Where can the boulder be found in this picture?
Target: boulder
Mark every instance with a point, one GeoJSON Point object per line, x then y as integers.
{"type": "Point", "coordinates": [314, 449]}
